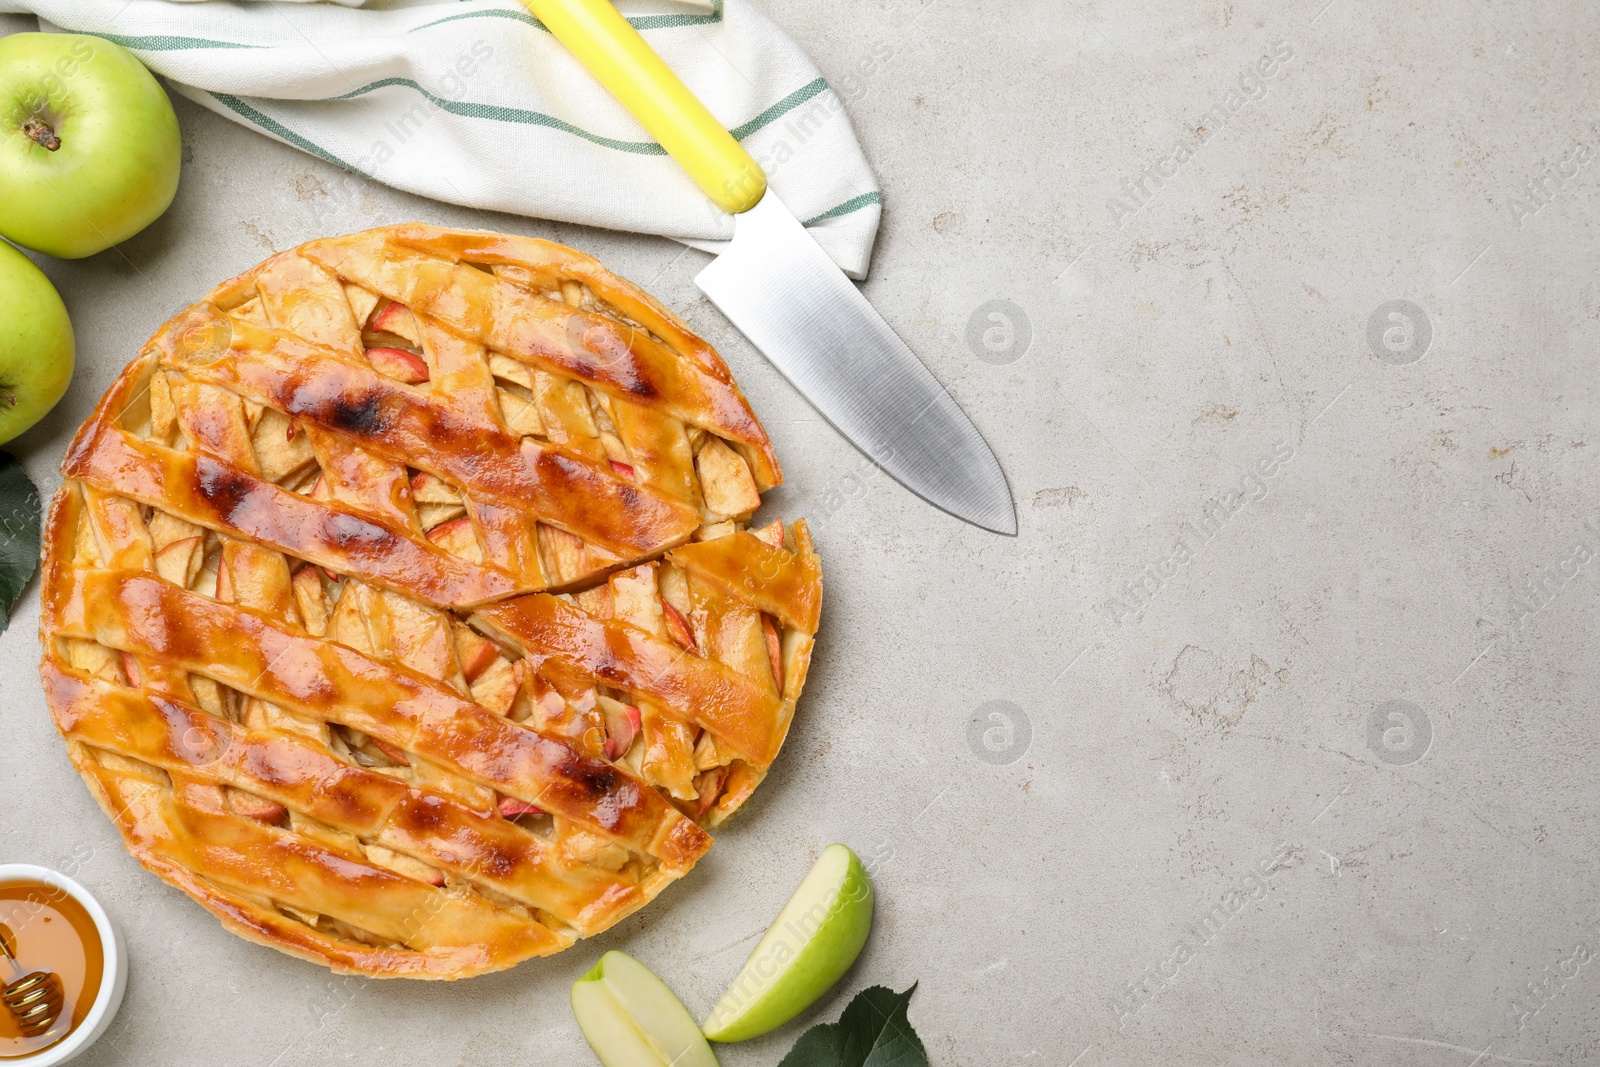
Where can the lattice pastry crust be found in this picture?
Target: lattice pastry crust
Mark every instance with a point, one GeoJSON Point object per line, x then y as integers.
{"type": "Point", "coordinates": [400, 605]}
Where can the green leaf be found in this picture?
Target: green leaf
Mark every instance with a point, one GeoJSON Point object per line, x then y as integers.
{"type": "Point", "coordinates": [19, 533]}
{"type": "Point", "coordinates": [872, 1032]}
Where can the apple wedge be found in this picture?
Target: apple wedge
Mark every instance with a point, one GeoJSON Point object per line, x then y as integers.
{"type": "Point", "coordinates": [631, 1019]}
{"type": "Point", "coordinates": [812, 943]}
{"type": "Point", "coordinates": [476, 653]}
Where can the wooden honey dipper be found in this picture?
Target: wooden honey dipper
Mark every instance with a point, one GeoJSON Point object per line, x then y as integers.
{"type": "Point", "coordinates": [35, 999]}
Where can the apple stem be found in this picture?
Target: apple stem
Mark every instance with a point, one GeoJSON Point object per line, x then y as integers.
{"type": "Point", "coordinates": [41, 134]}
{"type": "Point", "coordinates": [7, 397]}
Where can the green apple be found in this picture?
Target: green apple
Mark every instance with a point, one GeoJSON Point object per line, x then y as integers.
{"type": "Point", "coordinates": [89, 146]}
{"type": "Point", "coordinates": [814, 940]}
{"type": "Point", "coordinates": [35, 344]}
{"type": "Point", "coordinates": [631, 1019]}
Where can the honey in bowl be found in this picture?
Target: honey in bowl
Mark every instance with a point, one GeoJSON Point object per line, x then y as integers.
{"type": "Point", "coordinates": [47, 930]}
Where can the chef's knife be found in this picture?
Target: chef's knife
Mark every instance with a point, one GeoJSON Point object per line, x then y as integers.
{"type": "Point", "coordinates": [777, 285]}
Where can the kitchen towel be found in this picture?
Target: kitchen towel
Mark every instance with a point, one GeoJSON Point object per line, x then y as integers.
{"type": "Point", "coordinates": [474, 102]}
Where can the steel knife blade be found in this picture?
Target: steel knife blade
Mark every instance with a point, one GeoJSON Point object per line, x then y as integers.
{"type": "Point", "coordinates": [783, 292]}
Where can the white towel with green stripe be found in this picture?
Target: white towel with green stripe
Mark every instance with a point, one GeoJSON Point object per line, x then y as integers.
{"type": "Point", "coordinates": [474, 102]}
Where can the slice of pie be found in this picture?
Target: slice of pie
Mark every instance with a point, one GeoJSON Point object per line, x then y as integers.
{"type": "Point", "coordinates": [401, 604]}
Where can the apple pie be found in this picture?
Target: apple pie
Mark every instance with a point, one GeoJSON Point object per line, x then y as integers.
{"type": "Point", "coordinates": [402, 606]}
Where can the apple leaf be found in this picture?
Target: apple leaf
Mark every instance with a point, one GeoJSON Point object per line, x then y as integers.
{"type": "Point", "coordinates": [872, 1032]}
{"type": "Point", "coordinates": [19, 533]}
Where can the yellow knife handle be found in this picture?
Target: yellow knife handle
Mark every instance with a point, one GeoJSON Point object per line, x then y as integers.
{"type": "Point", "coordinates": [601, 39]}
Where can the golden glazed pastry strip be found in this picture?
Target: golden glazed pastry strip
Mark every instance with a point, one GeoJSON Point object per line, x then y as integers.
{"type": "Point", "coordinates": [211, 857]}
{"type": "Point", "coordinates": [247, 652]}
{"type": "Point", "coordinates": [207, 492]}
{"type": "Point", "coordinates": [542, 267]}
{"type": "Point", "coordinates": [700, 690]}
{"type": "Point", "coordinates": [404, 425]}
{"type": "Point", "coordinates": [245, 855]}
{"type": "Point", "coordinates": [627, 363]}
{"type": "Point", "coordinates": [307, 778]}
{"type": "Point", "coordinates": [303, 299]}
{"type": "Point", "coordinates": [783, 583]}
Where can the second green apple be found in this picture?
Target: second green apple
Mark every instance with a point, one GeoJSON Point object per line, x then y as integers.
{"type": "Point", "coordinates": [36, 348]}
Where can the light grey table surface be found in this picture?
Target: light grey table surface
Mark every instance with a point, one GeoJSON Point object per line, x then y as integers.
{"type": "Point", "coordinates": [1073, 874]}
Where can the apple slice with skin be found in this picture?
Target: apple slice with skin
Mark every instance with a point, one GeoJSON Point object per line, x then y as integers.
{"type": "Point", "coordinates": [631, 1019]}
{"type": "Point", "coordinates": [769, 630]}
{"type": "Point", "coordinates": [398, 363]}
{"type": "Point", "coordinates": [622, 726]}
{"type": "Point", "coordinates": [254, 807]}
{"type": "Point", "coordinates": [679, 628]}
{"type": "Point", "coordinates": [708, 787]}
{"type": "Point", "coordinates": [455, 536]}
{"type": "Point", "coordinates": [394, 752]}
{"type": "Point", "coordinates": [431, 489]}
{"type": "Point", "coordinates": [771, 533]}
{"type": "Point", "coordinates": [398, 320]}
{"type": "Point", "coordinates": [477, 654]}
{"type": "Point", "coordinates": [224, 591]}
{"type": "Point", "coordinates": [812, 943]}
{"type": "Point", "coordinates": [511, 807]}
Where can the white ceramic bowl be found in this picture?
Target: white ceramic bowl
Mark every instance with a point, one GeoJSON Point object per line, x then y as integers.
{"type": "Point", "coordinates": [113, 978]}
